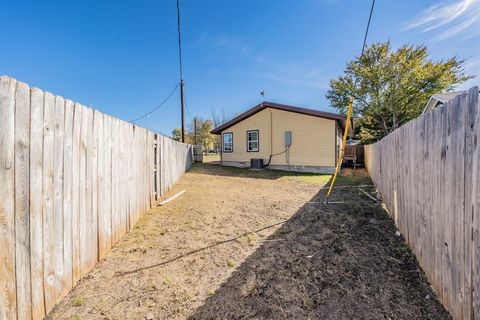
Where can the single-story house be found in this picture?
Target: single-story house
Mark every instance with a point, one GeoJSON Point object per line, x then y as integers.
{"type": "Point", "coordinates": [284, 137]}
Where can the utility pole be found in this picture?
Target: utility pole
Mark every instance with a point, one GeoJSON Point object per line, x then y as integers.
{"type": "Point", "coordinates": [182, 98]}
{"type": "Point", "coordinates": [182, 102]}
{"type": "Point", "coordinates": [195, 129]}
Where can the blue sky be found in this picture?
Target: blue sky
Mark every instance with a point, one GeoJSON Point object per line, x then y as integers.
{"type": "Point", "coordinates": [121, 56]}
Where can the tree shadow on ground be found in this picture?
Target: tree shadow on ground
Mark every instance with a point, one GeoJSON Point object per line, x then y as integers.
{"type": "Point", "coordinates": [339, 260]}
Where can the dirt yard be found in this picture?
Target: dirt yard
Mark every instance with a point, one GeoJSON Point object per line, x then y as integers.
{"type": "Point", "coordinates": [241, 244]}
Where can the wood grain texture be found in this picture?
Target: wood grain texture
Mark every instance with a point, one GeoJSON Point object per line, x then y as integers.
{"type": "Point", "coordinates": [68, 176]}
{"type": "Point", "coordinates": [48, 198]}
{"type": "Point", "coordinates": [475, 209]}
{"type": "Point", "coordinates": [108, 184]}
{"type": "Point", "coordinates": [59, 116]}
{"type": "Point", "coordinates": [74, 180]}
{"type": "Point", "coordinates": [75, 230]}
{"type": "Point", "coordinates": [82, 219]}
{"type": "Point", "coordinates": [472, 155]}
{"type": "Point", "coordinates": [134, 159]}
{"type": "Point", "coordinates": [471, 122]}
{"type": "Point", "coordinates": [22, 200]}
{"type": "Point", "coordinates": [94, 181]}
{"type": "Point", "coordinates": [121, 160]}
{"type": "Point", "coordinates": [130, 174]}
{"type": "Point", "coordinates": [8, 303]}
{"type": "Point", "coordinates": [90, 248]}
{"type": "Point", "coordinates": [114, 184]}
{"type": "Point", "coordinates": [8, 142]}
{"type": "Point", "coordinates": [101, 214]}
{"type": "Point", "coordinates": [428, 174]}
{"type": "Point", "coordinates": [36, 197]}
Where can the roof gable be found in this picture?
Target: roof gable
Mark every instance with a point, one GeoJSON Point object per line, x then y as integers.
{"type": "Point", "coordinates": [310, 112]}
{"type": "Point", "coordinates": [441, 98]}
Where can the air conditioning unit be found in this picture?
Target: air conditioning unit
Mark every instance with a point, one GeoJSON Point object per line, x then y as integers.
{"type": "Point", "coordinates": [256, 164]}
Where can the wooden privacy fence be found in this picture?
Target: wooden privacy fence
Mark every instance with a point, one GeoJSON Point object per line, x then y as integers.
{"type": "Point", "coordinates": [428, 173]}
{"type": "Point", "coordinates": [72, 181]}
{"type": "Point", "coordinates": [198, 153]}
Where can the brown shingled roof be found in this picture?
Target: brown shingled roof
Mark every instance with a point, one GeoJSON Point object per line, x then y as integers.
{"type": "Point", "coordinates": [309, 112]}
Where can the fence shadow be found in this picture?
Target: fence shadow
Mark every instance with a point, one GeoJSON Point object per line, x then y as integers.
{"type": "Point", "coordinates": [329, 261]}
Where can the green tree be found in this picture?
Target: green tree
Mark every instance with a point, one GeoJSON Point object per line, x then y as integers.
{"type": "Point", "coordinates": [202, 135]}
{"type": "Point", "coordinates": [218, 119]}
{"type": "Point", "coordinates": [177, 134]}
{"type": "Point", "coordinates": [391, 88]}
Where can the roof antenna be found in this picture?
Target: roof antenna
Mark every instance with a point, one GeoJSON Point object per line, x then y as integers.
{"type": "Point", "coordinates": [262, 93]}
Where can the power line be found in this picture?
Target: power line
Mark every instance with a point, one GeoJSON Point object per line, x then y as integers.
{"type": "Point", "coordinates": [350, 108]}
{"type": "Point", "coordinates": [157, 107]}
{"type": "Point", "coordinates": [368, 27]}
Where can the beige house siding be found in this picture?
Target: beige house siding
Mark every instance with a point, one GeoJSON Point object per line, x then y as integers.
{"type": "Point", "coordinates": [339, 142]}
{"type": "Point", "coordinates": [314, 139]}
{"type": "Point", "coordinates": [259, 121]}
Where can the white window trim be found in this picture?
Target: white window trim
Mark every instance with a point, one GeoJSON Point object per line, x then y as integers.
{"type": "Point", "coordinates": [231, 143]}
{"type": "Point", "coordinates": [249, 141]}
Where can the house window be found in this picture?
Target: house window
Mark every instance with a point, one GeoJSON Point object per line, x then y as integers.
{"type": "Point", "coordinates": [252, 141]}
{"type": "Point", "coordinates": [228, 142]}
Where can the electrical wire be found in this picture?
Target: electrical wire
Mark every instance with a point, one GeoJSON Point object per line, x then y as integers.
{"type": "Point", "coordinates": [350, 108]}
{"type": "Point", "coordinates": [272, 155]}
{"type": "Point", "coordinates": [368, 27]}
{"type": "Point", "coordinates": [157, 107]}
{"type": "Point", "coordinates": [146, 115]}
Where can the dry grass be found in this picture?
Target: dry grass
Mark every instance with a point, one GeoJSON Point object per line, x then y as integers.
{"type": "Point", "coordinates": [211, 158]}
{"type": "Point", "coordinates": [219, 204]}
{"type": "Point", "coordinates": [203, 256]}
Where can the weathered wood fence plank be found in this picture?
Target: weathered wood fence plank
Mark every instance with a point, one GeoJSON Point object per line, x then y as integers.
{"type": "Point", "coordinates": [428, 175]}
{"type": "Point", "coordinates": [75, 231]}
{"type": "Point", "coordinates": [83, 221]}
{"type": "Point", "coordinates": [59, 117]}
{"type": "Point", "coordinates": [22, 201]}
{"type": "Point", "coordinates": [36, 197]}
{"type": "Point", "coordinates": [473, 204]}
{"type": "Point", "coordinates": [94, 182]}
{"type": "Point", "coordinates": [73, 181]}
{"type": "Point", "coordinates": [8, 303]}
{"type": "Point", "coordinates": [48, 198]}
{"type": "Point", "coordinates": [68, 176]}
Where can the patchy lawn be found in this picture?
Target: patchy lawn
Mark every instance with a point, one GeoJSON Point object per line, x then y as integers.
{"type": "Point", "coordinates": [211, 158]}
{"type": "Point", "coordinates": [243, 244]}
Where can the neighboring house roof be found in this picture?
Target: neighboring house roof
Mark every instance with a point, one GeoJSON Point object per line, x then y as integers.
{"type": "Point", "coordinates": [441, 98]}
{"type": "Point", "coordinates": [310, 112]}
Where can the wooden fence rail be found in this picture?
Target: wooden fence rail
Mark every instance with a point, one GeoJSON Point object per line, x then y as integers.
{"type": "Point", "coordinates": [428, 174]}
{"type": "Point", "coordinates": [72, 181]}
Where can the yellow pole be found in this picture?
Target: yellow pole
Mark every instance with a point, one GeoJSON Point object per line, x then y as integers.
{"type": "Point", "coordinates": [344, 142]}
